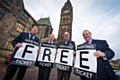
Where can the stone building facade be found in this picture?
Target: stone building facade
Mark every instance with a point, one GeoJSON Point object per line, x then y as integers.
{"type": "Point", "coordinates": [65, 20]}
{"type": "Point", "coordinates": [14, 19]}
{"type": "Point", "coordinates": [45, 28]}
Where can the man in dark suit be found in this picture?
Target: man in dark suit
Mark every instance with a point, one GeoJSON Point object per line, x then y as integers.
{"type": "Point", "coordinates": [17, 43]}
{"type": "Point", "coordinates": [44, 72]}
{"type": "Point", "coordinates": [64, 74]}
{"type": "Point", "coordinates": [103, 54]}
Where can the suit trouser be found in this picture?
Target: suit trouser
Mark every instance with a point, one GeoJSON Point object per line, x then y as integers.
{"type": "Point", "coordinates": [44, 73]}
{"type": "Point", "coordinates": [63, 74]}
{"type": "Point", "coordinates": [84, 78]}
{"type": "Point", "coordinates": [103, 76]}
{"type": "Point", "coordinates": [11, 71]}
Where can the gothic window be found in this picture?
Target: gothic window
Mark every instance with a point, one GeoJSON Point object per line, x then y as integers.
{"type": "Point", "coordinates": [8, 1]}
{"type": "Point", "coordinates": [2, 12]}
{"type": "Point", "coordinates": [19, 27]}
{"type": "Point", "coordinates": [62, 27]}
{"type": "Point", "coordinates": [51, 31]}
{"type": "Point", "coordinates": [67, 19]}
{"type": "Point", "coordinates": [63, 20]}
{"type": "Point", "coordinates": [8, 44]}
{"type": "Point", "coordinates": [46, 32]}
{"type": "Point", "coordinates": [65, 27]}
{"type": "Point", "coordinates": [24, 16]}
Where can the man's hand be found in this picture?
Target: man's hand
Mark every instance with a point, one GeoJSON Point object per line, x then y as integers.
{"type": "Point", "coordinates": [18, 45]}
{"type": "Point", "coordinates": [74, 52]}
{"type": "Point", "coordinates": [56, 52]}
{"type": "Point", "coordinates": [99, 54]}
{"type": "Point", "coordinates": [38, 51]}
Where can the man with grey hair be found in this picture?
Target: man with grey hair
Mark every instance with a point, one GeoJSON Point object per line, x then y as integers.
{"type": "Point", "coordinates": [103, 54]}
{"type": "Point", "coordinates": [64, 74]}
{"type": "Point", "coordinates": [44, 72]}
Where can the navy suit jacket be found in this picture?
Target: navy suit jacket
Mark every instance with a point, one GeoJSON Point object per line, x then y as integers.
{"type": "Point", "coordinates": [19, 39]}
{"type": "Point", "coordinates": [104, 68]}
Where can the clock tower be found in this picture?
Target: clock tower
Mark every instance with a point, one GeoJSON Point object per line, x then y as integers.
{"type": "Point", "coordinates": [66, 19]}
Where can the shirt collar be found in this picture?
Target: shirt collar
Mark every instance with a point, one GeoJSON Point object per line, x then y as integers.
{"type": "Point", "coordinates": [30, 34]}
{"type": "Point", "coordinates": [50, 42]}
{"type": "Point", "coordinates": [90, 41]}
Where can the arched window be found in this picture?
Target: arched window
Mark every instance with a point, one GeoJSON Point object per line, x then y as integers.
{"type": "Point", "coordinates": [19, 27]}
{"type": "Point", "coordinates": [8, 44]}
{"type": "Point", "coordinates": [24, 16]}
{"type": "Point", "coordinates": [46, 32]}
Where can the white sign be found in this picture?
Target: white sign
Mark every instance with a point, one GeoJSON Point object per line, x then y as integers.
{"type": "Point", "coordinates": [64, 59]}
{"type": "Point", "coordinates": [47, 56]}
{"type": "Point", "coordinates": [27, 54]}
{"type": "Point", "coordinates": [86, 62]}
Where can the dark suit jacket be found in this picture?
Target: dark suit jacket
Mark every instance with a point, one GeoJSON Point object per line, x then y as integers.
{"type": "Point", "coordinates": [104, 68]}
{"type": "Point", "coordinates": [19, 39]}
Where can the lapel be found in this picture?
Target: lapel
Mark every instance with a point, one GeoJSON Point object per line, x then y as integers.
{"type": "Point", "coordinates": [95, 42]}
{"type": "Point", "coordinates": [50, 42]}
{"type": "Point", "coordinates": [98, 45]}
{"type": "Point", "coordinates": [25, 35]}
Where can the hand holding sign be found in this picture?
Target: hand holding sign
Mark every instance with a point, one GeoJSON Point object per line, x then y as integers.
{"type": "Point", "coordinates": [56, 52]}
{"type": "Point", "coordinates": [26, 54]}
{"type": "Point", "coordinates": [18, 45]}
{"type": "Point", "coordinates": [38, 51]}
{"type": "Point", "coordinates": [74, 52]}
{"type": "Point", "coordinates": [99, 54]}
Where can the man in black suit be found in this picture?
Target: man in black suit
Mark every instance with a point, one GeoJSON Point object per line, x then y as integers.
{"type": "Point", "coordinates": [44, 72]}
{"type": "Point", "coordinates": [64, 74]}
{"type": "Point", "coordinates": [103, 54]}
{"type": "Point", "coordinates": [17, 43]}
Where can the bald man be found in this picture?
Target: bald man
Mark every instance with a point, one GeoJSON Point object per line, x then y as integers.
{"type": "Point", "coordinates": [44, 72]}
{"type": "Point", "coordinates": [64, 74]}
{"type": "Point", "coordinates": [103, 54]}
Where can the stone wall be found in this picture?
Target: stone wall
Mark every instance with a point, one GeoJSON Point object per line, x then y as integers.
{"type": "Point", "coordinates": [9, 20]}
{"type": "Point", "coordinates": [8, 23]}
